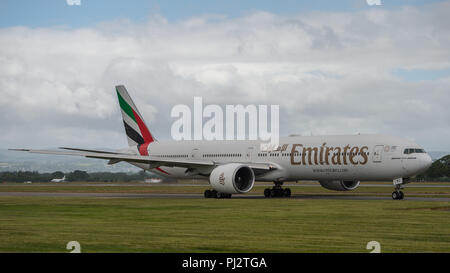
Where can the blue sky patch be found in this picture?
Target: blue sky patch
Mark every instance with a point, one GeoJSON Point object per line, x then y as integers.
{"type": "Point", "coordinates": [49, 13]}
{"type": "Point", "coordinates": [416, 75]}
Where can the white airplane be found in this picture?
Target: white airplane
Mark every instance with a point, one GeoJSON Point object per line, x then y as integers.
{"type": "Point", "coordinates": [57, 180]}
{"type": "Point", "coordinates": [338, 162]}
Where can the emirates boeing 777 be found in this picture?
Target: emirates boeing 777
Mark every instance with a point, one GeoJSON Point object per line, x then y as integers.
{"type": "Point", "coordinates": [337, 162]}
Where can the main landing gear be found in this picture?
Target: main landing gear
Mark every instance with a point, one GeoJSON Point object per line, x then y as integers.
{"type": "Point", "coordinates": [216, 194]}
{"type": "Point", "coordinates": [277, 191]}
{"type": "Point", "coordinates": [398, 194]}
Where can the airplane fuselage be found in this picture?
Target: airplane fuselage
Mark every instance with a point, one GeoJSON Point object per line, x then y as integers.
{"type": "Point", "coordinates": [343, 157]}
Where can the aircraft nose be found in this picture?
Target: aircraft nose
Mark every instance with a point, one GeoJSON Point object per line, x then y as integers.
{"type": "Point", "coordinates": [426, 162]}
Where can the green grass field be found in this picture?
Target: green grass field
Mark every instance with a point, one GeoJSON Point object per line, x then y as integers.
{"type": "Point", "coordinates": [46, 224]}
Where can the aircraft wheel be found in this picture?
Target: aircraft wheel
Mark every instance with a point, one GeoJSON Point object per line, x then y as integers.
{"type": "Point", "coordinates": [401, 195]}
{"type": "Point", "coordinates": [220, 195]}
{"type": "Point", "coordinates": [207, 194]}
{"type": "Point", "coordinates": [273, 193]}
{"type": "Point", "coordinates": [213, 194]}
{"type": "Point", "coordinates": [396, 195]}
{"type": "Point", "coordinates": [287, 192]}
{"type": "Point", "coordinates": [267, 193]}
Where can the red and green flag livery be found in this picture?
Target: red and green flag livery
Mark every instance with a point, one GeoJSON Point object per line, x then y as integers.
{"type": "Point", "coordinates": [135, 128]}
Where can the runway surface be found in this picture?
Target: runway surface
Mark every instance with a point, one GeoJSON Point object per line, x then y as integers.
{"type": "Point", "coordinates": [67, 184]}
{"type": "Point", "coordinates": [384, 185]}
{"type": "Point", "coordinates": [157, 195]}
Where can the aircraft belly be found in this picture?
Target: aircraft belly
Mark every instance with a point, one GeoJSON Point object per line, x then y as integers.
{"type": "Point", "coordinates": [360, 173]}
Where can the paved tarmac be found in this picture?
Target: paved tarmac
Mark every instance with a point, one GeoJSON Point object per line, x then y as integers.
{"type": "Point", "coordinates": [69, 184]}
{"type": "Point", "coordinates": [243, 196]}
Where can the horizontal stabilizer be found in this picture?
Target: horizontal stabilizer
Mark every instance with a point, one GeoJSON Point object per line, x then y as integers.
{"type": "Point", "coordinates": [85, 150]}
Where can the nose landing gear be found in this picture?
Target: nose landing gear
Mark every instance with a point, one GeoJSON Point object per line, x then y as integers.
{"type": "Point", "coordinates": [277, 191]}
{"type": "Point", "coordinates": [398, 194]}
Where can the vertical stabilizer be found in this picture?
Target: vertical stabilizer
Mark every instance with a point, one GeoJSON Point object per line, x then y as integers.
{"type": "Point", "coordinates": [135, 128]}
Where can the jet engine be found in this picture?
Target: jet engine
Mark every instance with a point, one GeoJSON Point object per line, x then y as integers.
{"type": "Point", "coordinates": [339, 185]}
{"type": "Point", "coordinates": [232, 178]}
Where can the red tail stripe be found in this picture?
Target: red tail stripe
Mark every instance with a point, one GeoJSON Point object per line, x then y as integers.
{"type": "Point", "coordinates": [148, 138]}
{"type": "Point", "coordinates": [143, 148]}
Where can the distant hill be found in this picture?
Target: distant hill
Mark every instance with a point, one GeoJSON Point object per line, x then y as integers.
{"type": "Point", "coordinates": [439, 170]}
{"type": "Point", "coordinates": [437, 154]}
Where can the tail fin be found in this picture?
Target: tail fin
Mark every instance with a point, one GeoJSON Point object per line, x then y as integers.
{"type": "Point", "coordinates": [135, 128]}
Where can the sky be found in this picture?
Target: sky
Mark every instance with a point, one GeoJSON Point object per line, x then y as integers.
{"type": "Point", "coordinates": [333, 67]}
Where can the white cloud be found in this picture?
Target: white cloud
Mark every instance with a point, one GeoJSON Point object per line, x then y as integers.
{"type": "Point", "coordinates": [329, 72]}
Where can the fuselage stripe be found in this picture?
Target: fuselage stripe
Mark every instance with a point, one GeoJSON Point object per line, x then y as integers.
{"type": "Point", "coordinates": [159, 169]}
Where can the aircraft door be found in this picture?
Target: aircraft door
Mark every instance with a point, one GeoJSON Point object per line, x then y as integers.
{"type": "Point", "coordinates": [249, 154]}
{"type": "Point", "coordinates": [377, 152]}
{"type": "Point", "coordinates": [194, 153]}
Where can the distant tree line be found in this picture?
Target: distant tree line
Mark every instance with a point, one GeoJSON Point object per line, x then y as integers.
{"type": "Point", "coordinates": [23, 176]}
{"type": "Point", "coordinates": [439, 171]}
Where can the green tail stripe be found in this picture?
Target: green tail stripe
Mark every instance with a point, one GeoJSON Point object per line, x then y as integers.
{"type": "Point", "coordinates": [125, 107]}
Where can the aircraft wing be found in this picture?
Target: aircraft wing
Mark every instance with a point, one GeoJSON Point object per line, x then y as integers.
{"type": "Point", "coordinates": [153, 161]}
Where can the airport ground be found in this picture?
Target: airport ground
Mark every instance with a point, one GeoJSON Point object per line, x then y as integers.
{"type": "Point", "coordinates": [142, 217]}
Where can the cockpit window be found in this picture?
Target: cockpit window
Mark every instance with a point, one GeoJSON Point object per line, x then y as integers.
{"type": "Point", "coordinates": [413, 150]}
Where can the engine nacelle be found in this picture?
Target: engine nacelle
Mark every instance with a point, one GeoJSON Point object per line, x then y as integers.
{"type": "Point", "coordinates": [232, 178]}
{"type": "Point", "coordinates": [339, 185]}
